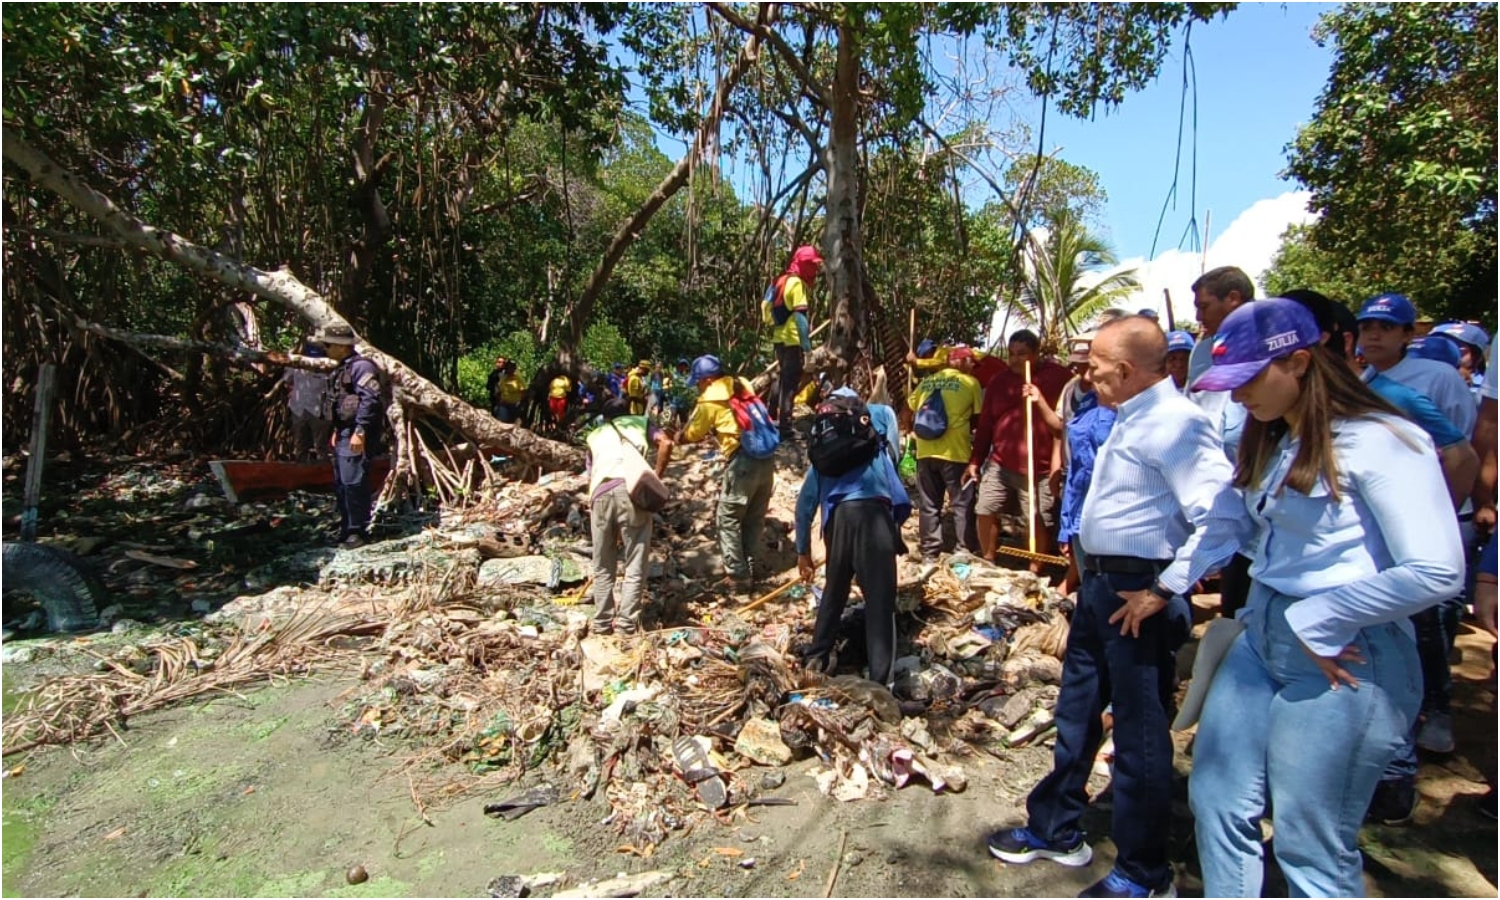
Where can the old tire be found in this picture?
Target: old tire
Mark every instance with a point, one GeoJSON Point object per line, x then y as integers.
{"type": "Point", "coordinates": [61, 582]}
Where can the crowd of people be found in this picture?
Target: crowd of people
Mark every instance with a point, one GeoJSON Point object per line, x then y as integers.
{"type": "Point", "coordinates": [1334, 470]}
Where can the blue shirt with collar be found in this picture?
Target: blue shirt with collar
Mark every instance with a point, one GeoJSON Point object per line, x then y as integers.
{"type": "Point", "coordinates": [1162, 490]}
{"type": "Point", "coordinates": [1418, 408]}
{"type": "Point", "coordinates": [1087, 432]}
{"type": "Point", "coordinates": [1387, 548]}
{"type": "Point", "coordinates": [1440, 383]}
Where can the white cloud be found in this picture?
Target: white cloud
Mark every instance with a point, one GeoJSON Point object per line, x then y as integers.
{"type": "Point", "coordinates": [1249, 242]}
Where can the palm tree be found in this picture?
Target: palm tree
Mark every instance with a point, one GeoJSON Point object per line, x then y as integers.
{"type": "Point", "coordinates": [1061, 287]}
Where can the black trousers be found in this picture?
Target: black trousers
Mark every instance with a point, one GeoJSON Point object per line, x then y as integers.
{"type": "Point", "coordinates": [861, 543]}
{"type": "Point", "coordinates": [789, 364]}
{"type": "Point", "coordinates": [1234, 585]}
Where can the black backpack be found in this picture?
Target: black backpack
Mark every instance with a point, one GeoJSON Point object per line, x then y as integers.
{"type": "Point", "coordinates": [842, 437]}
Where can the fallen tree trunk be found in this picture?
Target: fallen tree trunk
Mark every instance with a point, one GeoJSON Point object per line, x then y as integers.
{"type": "Point", "coordinates": [282, 288]}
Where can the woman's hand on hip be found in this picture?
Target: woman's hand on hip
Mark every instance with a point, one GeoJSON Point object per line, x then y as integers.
{"type": "Point", "coordinates": [1335, 673]}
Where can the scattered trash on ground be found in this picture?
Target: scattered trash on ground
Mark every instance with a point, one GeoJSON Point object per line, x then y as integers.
{"type": "Point", "coordinates": [469, 639]}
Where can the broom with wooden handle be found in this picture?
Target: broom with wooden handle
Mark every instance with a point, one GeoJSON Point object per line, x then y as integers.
{"type": "Point", "coordinates": [1030, 553]}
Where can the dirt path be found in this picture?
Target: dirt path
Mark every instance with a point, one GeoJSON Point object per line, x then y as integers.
{"type": "Point", "coordinates": [262, 795]}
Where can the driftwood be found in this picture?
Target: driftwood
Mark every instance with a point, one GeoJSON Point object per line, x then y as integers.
{"type": "Point", "coordinates": [282, 288]}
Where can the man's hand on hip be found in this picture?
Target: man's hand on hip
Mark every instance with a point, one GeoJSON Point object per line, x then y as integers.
{"type": "Point", "coordinates": [1139, 606]}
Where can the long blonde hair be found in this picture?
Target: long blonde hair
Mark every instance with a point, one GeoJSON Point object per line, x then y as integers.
{"type": "Point", "coordinates": [1329, 391]}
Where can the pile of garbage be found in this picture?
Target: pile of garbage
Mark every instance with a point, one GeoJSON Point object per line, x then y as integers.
{"type": "Point", "coordinates": [471, 644]}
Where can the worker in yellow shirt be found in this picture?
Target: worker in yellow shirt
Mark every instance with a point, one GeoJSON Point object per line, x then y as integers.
{"type": "Point", "coordinates": [945, 405]}
{"type": "Point", "coordinates": [509, 394]}
{"type": "Point", "coordinates": [747, 482]}
{"type": "Point", "coordinates": [785, 310]}
{"type": "Point", "coordinates": [557, 397]}
{"type": "Point", "coordinates": [635, 387]}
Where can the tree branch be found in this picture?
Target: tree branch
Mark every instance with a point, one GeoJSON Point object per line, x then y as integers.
{"type": "Point", "coordinates": [630, 231]}
{"type": "Point", "coordinates": [783, 50]}
{"type": "Point", "coordinates": [283, 289]}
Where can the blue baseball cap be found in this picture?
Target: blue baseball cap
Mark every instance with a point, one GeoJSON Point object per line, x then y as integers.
{"type": "Point", "coordinates": [1254, 335]}
{"type": "Point", "coordinates": [1434, 348]}
{"type": "Point", "coordinates": [1393, 308]}
{"type": "Point", "coordinates": [1179, 340]}
{"type": "Point", "coordinates": [926, 348]}
{"type": "Point", "coordinates": [1149, 313]}
{"type": "Point", "coordinates": [1464, 332]}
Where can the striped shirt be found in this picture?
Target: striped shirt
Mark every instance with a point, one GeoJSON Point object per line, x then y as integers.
{"type": "Point", "coordinates": [1162, 490]}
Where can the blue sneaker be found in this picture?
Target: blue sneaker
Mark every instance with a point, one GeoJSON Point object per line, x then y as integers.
{"type": "Point", "coordinates": [1117, 885]}
{"type": "Point", "coordinates": [1020, 846]}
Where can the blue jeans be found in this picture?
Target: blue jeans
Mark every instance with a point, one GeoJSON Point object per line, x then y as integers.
{"type": "Point", "coordinates": [1274, 733]}
{"type": "Point", "coordinates": [1102, 666]}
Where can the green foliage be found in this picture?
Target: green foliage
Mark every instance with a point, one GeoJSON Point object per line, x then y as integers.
{"type": "Point", "coordinates": [1079, 54]}
{"type": "Point", "coordinates": [1401, 153]}
{"type": "Point", "coordinates": [1300, 263]}
{"type": "Point", "coordinates": [1055, 184]}
{"type": "Point", "coordinates": [603, 346]}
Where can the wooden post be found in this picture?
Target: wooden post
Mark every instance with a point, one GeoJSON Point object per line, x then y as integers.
{"type": "Point", "coordinates": [911, 344]}
{"type": "Point", "coordinates": [1171, 319]}
{"type": "Point", "coordinates": [1208, 218]}
{"type": "Point", "coordinates": [41, 420]}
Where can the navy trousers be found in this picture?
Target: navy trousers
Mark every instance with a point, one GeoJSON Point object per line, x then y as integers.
{"type": "Point", "coordinates": [1100, 667]}
{"type": "Point", "coordinates": [351, 487]}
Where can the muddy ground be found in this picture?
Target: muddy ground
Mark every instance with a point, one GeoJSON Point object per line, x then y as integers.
{"type": "Point", "coordinates": [266, 795]}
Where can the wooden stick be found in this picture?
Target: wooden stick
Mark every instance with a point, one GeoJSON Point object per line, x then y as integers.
{"type": "Point", "coordinates": [755, 604]}
{"type": "Point", "coordinates": [833, 876]}
{"type": "Point", "coordinates": [1171, 319]}
{"type": "Point", "coordinates": [911, 344]}
{"type": "Point", "coordinates": [1030, 473]}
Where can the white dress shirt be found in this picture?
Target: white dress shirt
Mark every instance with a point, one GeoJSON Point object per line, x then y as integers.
{"type": "Point", "coordinates": [1227, 416]}
{"type": "Point", "coordinates": [1162, 490]}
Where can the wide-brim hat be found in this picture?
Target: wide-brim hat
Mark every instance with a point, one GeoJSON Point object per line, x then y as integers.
{"type": "Point", "coordinates": [337, 334]}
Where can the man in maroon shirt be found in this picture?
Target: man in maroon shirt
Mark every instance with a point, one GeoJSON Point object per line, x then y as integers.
{"type": "Point", "coordinates": [998, 461]}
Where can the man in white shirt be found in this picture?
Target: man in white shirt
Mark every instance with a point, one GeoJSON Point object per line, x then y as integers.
{"type": "Point", "coordinates": [1161, 492]}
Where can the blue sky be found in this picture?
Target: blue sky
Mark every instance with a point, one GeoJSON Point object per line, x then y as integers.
{"type": "Point", "coordinates": [1259, 74]}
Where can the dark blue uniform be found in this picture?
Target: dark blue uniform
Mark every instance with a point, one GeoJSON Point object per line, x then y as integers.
{"type": "Point", "coordinates": [357, 408]}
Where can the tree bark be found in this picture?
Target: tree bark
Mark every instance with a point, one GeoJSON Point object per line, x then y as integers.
{"type": "Point", "coordinates": [282, 288]}
{"type": "Point", "coordinates": [359, 256]}
{"type": "Point", "coordinates": [843, 252]}
{"type": "Point", "coordinates": [628, 233]}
